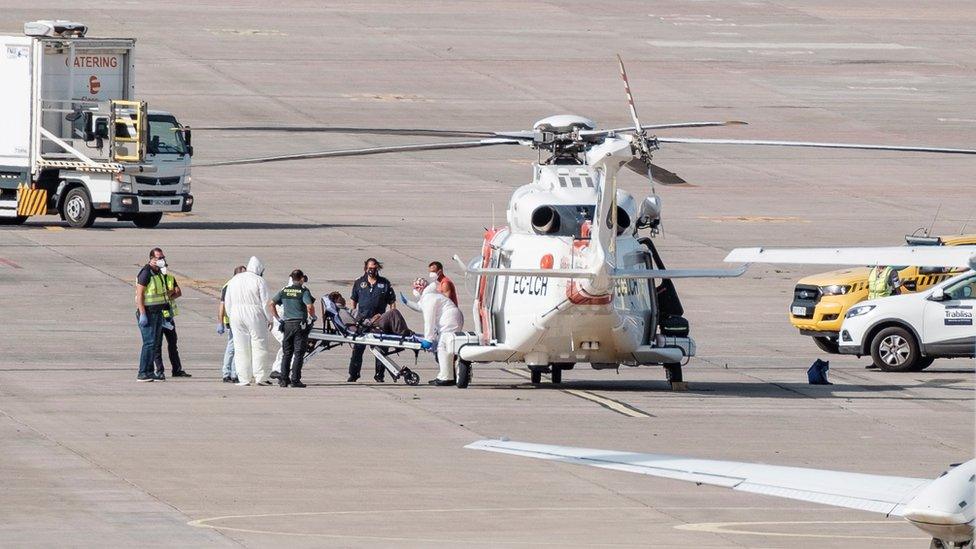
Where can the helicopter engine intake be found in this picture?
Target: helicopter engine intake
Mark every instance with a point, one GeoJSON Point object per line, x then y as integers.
{"type": "Point", "coordinates": [545, 220]}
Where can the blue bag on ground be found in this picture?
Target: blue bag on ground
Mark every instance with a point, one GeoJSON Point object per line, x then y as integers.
{"type": "Point", "coordinates": [817, 374]}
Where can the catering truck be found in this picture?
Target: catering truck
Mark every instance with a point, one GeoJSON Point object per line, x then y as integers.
{"type": "Point", "coordinates": [75, 141]}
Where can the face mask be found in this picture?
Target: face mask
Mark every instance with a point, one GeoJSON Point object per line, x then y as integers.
{"type": "Point", "coordinates": [161, 265]}
{"type": "Point", "coordinates": [416, 293]}
{"type": "Point", "coordinates": [432, 276]}
{"type": "Point", "coordinates": [372, 272]}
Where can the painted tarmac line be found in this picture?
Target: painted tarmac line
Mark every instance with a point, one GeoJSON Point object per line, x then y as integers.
{"type": "Point", "coordinates": [778, 45]}
{"type": "Point", "coordinates": [608, 403]}
{"type": "Point", "coordinates": [731, 528]}
{"type": "Point", "coordinates": [207, 523]}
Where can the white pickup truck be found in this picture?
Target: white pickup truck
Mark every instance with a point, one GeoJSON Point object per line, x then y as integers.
{"type": "Point", "coordinates": [905, 333]}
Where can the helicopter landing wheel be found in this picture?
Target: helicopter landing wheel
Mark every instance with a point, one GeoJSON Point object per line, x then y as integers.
{"type": "Point", "coordinates": [673, 372]}
{"type": "Point", "coordinates": [536, 375]}
{"type": "Point", "coordinates": [557, 374]}
{"type": "Point", "coordinates": [462, 374]}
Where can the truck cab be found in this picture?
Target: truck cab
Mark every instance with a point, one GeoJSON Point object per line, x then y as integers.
{"type": "Point", "coordinates": [820, 301]}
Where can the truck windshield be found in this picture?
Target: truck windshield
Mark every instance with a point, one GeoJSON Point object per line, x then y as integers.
{"type": "Point", "coordinates": [165, 136]}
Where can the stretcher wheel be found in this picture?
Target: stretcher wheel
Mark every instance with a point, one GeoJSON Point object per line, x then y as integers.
{"type": "Point", "coordinates": [463, 374]}
{"type": "Point", "coordinates": [411, 378]}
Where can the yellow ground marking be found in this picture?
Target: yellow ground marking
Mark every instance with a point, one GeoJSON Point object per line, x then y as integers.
{"type": "Point", "coordinates": [387, 97]}
{"type": "Point", "coordinates": [177, 214]}
{"type": "Point", "coordinates": [753, 219]}
{"type": "Point", "coordinates": [207, 523]}
{"type": "Point", "coordinates": [731, 528]}
{"type": "Point", "coordinates": [608, 403]}
{"type": "Point", "coordinates": [54, 228]}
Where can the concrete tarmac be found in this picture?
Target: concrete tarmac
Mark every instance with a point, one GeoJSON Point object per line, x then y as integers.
{"type": "Point", "coordinates": [89, 457]}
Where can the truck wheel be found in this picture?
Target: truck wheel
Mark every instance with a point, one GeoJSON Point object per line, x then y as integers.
{"type": "Point", "coordinates": [147, 221]}
{"type": "Point", "coordinates": [77, 209]}
{"type": "Point", "coordinates": [17, 220]}
{"type": "Point", "coordinates": [826, 344]}
{"type": "Point", "coordinates": [894, 349]}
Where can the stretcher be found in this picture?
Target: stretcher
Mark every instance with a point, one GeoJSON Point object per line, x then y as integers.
{"type": "Point", "coordinates": [335, 333]}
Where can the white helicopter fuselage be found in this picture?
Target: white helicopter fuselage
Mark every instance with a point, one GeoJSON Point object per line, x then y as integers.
{"type": "Point", "coordinates": [543, 320]}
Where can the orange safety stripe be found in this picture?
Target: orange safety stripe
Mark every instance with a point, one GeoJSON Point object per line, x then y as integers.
{"type": "Point", "coordinates": [31, 201]}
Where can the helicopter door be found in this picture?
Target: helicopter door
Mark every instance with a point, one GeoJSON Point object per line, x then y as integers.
{"type": "Point", "coordinates": [486, 292]}
{"type": "Point", "coordinates": [650, 323]}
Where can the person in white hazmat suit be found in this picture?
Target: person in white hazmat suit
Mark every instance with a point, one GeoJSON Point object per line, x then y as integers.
{"type": "Point", "coordinates": [441, 319]}
{"type": "Point", "coordinates": [246, 304]}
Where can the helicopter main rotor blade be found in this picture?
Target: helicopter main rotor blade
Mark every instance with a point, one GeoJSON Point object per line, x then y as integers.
{"type": "Point", "coordinates": [351, 130]}
{"type": "Point", "coordinates": [630, 96]}
{"type": "Point", "coordinates": [368, 151]}
{"type": "Point", "coordinates": [659, 174]}
{"type": "Point", "coordinates": [628, 129]}
{"type": "Point", "coordinates": [812, 144]}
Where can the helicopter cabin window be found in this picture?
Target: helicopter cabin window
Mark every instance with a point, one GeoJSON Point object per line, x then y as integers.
{"type": "Point", "coordinates": [561, 219]}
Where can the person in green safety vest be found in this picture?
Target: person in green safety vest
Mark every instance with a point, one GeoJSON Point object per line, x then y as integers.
{"type": "Point", "coordinates": [173, 292]}
{"type": "Point", "coordinates": [151, 301]}
{"type": "Point", "coordinates": [883, 281]}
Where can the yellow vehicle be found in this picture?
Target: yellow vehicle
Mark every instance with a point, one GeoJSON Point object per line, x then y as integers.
{"type": "Point", "coordinates": [820, 301]}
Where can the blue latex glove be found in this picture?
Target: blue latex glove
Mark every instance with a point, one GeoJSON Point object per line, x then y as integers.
{"type": "Point", "coordinates": [221, 329]}
{"type": "Point", "coordinates": [403, 298]}
{"type": "Point", "coordinates": [426, 344]}
{"type": "Point", "coordinates": [143, 320]}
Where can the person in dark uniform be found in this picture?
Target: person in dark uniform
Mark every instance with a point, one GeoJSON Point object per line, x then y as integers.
{"type": "Point", "coordinates": [297, 313]}
{"type": "Point", "coordinates": [371, 295]}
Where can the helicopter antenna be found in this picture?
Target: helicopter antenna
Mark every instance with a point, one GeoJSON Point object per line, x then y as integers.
{"type": "Point", "coordinates": [966, 224]}
{"type": "Point", "coordinates": [936, 216]}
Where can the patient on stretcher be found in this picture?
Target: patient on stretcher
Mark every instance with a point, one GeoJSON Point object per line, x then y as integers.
{"type": "Point", "coordinates": [391, 322]}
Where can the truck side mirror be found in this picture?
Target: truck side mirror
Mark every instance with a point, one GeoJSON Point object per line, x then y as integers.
{"type": "Point", "coordinates": [188, 139]}
{"type": "Point", "coordinates": [937, 295]}
{"type": "Point", "coordinates": [101, 127]}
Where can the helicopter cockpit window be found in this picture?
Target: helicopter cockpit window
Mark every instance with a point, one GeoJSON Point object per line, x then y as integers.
{"type": "Point", "coordinates": [561, 219]}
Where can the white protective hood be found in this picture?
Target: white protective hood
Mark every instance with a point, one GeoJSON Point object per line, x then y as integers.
{"type": "Point", "coordinates": [255, 266]}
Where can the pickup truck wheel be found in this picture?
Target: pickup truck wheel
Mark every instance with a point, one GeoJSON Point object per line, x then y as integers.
{"type": "Point", "coordinates": [894, 349]}
{"type": "Point", "coordinates": [826, 344]}
{"type": "Point", "coordinates": [77, 209]}
{"type": "Point", "coordinates": [147, 221]}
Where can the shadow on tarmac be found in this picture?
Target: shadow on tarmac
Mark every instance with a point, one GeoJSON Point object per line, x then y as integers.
{"type": "Point", "coordinates": [247, 225]}
{"type": "Point", "coordinates": [206, 225]}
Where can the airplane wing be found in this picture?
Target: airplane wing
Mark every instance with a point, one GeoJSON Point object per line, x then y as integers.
{"type": "Point", "coordinates": [881, 494]}
{"type": "Point", "coordinates": [922, 256]}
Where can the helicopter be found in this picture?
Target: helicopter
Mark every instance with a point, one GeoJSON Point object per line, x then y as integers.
{"type": "Point", "coordinates": [574, 277]}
